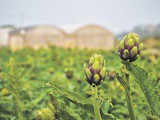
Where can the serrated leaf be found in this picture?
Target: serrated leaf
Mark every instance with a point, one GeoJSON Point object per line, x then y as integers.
{"type": "Point", "coordinates": [75, 98]}
{"type": "Point", "coordinates": [152, 117]}
{"type": "Point", "coordinates": [80, 101]}
{"type": "Point", "coordinates": [54, 101]}
{"type": "Point", "coordinates": [63, 113]}
{"type": "Point", "coordinates": [148, 84]}
{"type": "Point", "coordinates": [35, 102]}
{"type": "Point", "coordinates": [88, 107]}
{"type": "Point", "coordinates": [106, 116]}
{"type": "Point", "coordinates": [123, 82]}
{"type": "Point", "coordinates": [6, 75]}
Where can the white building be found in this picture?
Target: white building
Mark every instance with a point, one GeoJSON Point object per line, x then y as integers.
{"type": "Point", "coordinates": [4, 34]}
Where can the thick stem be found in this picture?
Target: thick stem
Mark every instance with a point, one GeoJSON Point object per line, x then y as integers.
{"type": "Point", "coordinates": [129, 100]}
{"type": "Point", "coordinates": [130, 106]}
{"type": "Point", "coordinates": [95, 103]}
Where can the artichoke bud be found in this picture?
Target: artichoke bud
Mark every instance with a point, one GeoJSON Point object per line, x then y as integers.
{"type": "Point", "coordinates": [69, 72]}
{"type": "Point", "coordinates": [131, 47]}
{"type": "Point", "coordinates": [96, 78]}
{"type": "Point", "coordinates": [125, 54]}
{"type": "Point", "coordinates": [95, 71]}
{"type": "Point", "coordinates": [134, 51]}
{"type": "Point", "coordinates": [88, 73]}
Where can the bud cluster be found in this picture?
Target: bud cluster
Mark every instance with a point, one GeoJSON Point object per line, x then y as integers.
{"type": "Point", "coordinates": [95, 71]}
{"type": "Point", "coordinates": [130, 48]}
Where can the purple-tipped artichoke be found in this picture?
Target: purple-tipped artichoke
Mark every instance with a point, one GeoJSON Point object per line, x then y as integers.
{"type": "Point", "coordinates": [130, 48]}
{"type": "Point", "coordinates": [95, 71]}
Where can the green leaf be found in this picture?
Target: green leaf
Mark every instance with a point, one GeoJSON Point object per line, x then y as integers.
{"type": "Point", "coordinates": [123, 82]}
{"type": "Point", "coordinates": [152, 117]}
{"type": "Point", "coordinates": [63, 113]}
{"type": "Point", "coordinates": [74, 97]}
{"type": "Point", "coordinates": [80, 101]}
{"type": "Point", "coordinates": [54, 101]}
{"type": "Point", "coordinates": [87, 107]}
{"type": "Point", "coordinates": [148, 84]}
{"type": "Point", "coordinates": [35, 102]}
{"type": "Point", "coordinates": [106, 116]}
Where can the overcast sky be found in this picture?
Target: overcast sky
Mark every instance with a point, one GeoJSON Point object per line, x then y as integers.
{"type": "Point", "coordinates": [115, 15]}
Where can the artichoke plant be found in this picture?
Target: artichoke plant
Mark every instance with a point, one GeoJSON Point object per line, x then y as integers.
{"type": "Point", "coordinates": [130, 48]}
{"type": "Point", "coordinates": [95, 71]}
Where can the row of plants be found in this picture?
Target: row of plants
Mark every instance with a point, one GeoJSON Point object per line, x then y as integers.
{"type": "Point", "coordinates": [52, 84]}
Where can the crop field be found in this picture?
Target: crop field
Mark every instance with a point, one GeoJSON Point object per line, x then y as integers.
{"type": "Point", "coordinates": [48, 84]}
{"type": "Point", "coordinates": [79, 60]}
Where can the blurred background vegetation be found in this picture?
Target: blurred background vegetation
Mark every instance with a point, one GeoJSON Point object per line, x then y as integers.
{"type": "Point", "coordinates": [25, 72]}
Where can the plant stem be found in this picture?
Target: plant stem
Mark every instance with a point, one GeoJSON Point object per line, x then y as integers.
{"type": "Point", "coordinates": [95, 103]}
{"type": "Point", "coordinates": [129, 99]}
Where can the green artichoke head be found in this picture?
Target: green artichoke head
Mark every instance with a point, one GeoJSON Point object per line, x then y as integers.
{"type": "Point", "coordinates": [95, 71]}
{"type": "Point", "coordinates": [129, 47]}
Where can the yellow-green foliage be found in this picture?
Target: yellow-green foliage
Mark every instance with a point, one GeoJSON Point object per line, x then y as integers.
{"type": "Point", "coordinates": [24, 73]}
{"type": "Point", "coordinates": [44, 114]}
